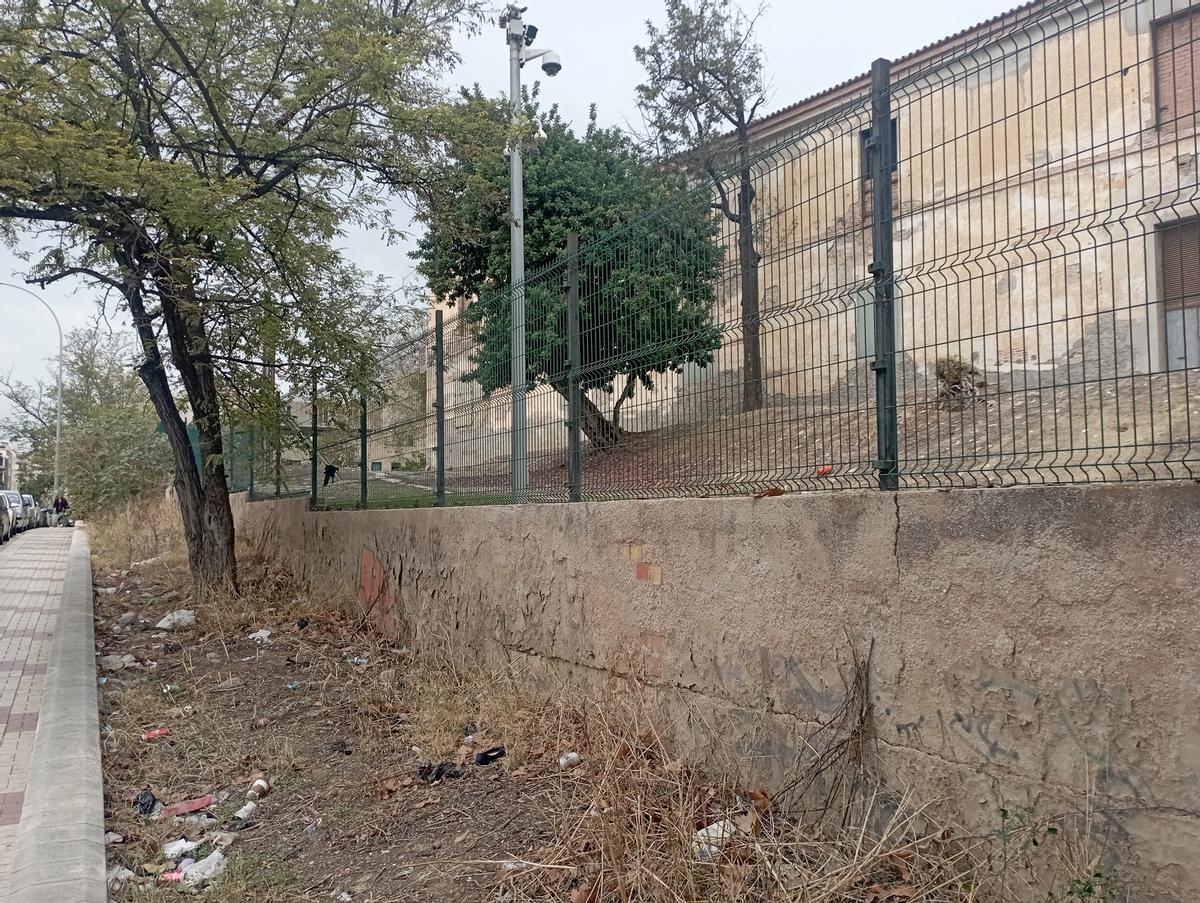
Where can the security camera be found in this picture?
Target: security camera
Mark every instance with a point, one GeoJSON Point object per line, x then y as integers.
{"type": "Point", "coordinates": [552, 64]}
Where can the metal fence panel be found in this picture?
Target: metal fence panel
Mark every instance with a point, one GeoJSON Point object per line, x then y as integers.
{"type": "Point", "coordinates": [1036, 189]}
{"type": "Point", "coordinates": [1034, 181]}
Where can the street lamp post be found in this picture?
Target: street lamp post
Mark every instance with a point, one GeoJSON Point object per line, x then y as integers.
{"type": "Point", "coordinates": [519, 37]}
{"type": "Point", "coordinates": [58, 403]}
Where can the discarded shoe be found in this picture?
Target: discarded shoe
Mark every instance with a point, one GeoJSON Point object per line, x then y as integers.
{"type": "Point", "coordinates": [488, 756]}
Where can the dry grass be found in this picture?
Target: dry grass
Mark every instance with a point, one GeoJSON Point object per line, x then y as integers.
{"type": "Point", "coordinates": [146, 529]}
{"type": "Point", "coordinates": [440, 702]}
{"type": "Point", "coordinates": [637, 826]}
{"type": "Point", "coordinates": [638, 823]}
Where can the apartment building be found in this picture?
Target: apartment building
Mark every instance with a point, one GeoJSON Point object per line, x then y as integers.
{"type": "Point", "coordinates": [9, 474]}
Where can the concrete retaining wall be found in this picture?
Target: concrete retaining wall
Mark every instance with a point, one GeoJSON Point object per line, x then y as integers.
{"type": "Point", "coordinates": [1031, 647]}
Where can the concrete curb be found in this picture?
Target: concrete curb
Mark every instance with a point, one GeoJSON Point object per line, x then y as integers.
{"type": "Point", "coordinates": [59, 854]}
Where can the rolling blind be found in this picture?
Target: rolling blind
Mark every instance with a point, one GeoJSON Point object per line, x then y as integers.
{"type": "Point", "coordinates": [1179, 251]}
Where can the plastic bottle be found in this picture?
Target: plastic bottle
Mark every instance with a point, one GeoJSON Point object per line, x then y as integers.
{"type": "Point", "coordinates": [260, 786]}
{"type": "Point", "coordinates": [242, 817]}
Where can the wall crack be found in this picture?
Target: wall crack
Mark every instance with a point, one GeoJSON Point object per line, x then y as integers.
{"type": "Point", "coordinates": [896, 535]}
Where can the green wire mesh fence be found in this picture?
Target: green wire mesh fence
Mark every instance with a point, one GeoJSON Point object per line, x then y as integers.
{"type": "Point", "coordinates": [978, 267]}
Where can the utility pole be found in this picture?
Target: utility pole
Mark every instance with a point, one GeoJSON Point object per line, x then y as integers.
{"type": "Point", "coordinates": [519, 37]}
{"type": "Point", "coordinates": [515, 33]}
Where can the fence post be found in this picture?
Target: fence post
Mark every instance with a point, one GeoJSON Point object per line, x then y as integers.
{"type": "Point", "coordinates": [574, 365]}
{"type": "Point", "coordinates": [231, 473]}
{"type": "Point", "coordinates": [250, 488]}
{"type": "Point", "coordinates": [883, 161]}
{"type": "Point", "coordinates": [313, 469]}
{"type": "Point", "coordinates": [362, 453]}
{"type": "Point", "coordinates": [278, 446]}
{"type": "Point", "coordinates": [439, 367]}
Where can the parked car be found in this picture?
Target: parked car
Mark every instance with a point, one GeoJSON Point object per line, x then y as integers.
{"type": "Point", "coordinates": [30, 513]}
{"type": "Point", "coordinates": [6, 522]}
{"type": "Point", "coordinates": [16, 508]}
{"type": "Point", "coordinates": [37, 514]}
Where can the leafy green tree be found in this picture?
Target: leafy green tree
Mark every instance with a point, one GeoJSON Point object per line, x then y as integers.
{"type": "Point", "coordinates": [704, 87]}
{"type": "Point", "coordinates": [646, 281]}
{"type": "Point", "coordinates": [113, 455]}
{"type": "Point", "coordinates": [196, 160]}
{"type": "Point", "coordinates": [30, 425]}
{"type": "Point", "coordinates": [112, 450]}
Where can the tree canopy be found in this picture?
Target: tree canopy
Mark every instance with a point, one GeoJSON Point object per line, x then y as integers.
{"type": "Point", "coordinates": [199, 160]}
{"type": "Point", "coordinates": [648, 261]}
{"type": "Point", "coordinates": [704, 79]}
{"type": "Point", "coordinates": [703, 89]}
{"type": "Point", "coordinates": [112, 450]}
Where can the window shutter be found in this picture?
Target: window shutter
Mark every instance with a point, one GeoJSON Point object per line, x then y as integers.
{"type": "Point", "coordinates": [1179, 250]}
{"type": "Point", "coordinates": [1177, 41]}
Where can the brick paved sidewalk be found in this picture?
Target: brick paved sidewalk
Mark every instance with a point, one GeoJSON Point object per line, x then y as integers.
{"type": "Point", "coordinates": [32, 568]}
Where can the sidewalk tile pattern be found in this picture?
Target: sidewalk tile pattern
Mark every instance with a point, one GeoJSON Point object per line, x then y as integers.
{"type": "Point", "coordinates": [32, 567]}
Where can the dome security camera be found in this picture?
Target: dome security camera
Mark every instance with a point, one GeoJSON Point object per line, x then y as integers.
{"type": "Point", "coordinates": [552, 64]}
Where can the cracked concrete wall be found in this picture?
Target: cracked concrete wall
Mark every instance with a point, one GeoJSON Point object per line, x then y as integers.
{"type": "Point", "coordinates": [1031, 647]}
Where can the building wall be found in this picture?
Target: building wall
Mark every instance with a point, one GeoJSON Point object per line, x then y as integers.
{"type": "Point", "coordinates": [9, 474]}
{"type": "Point", "coordinates": [478, 427]}
{"type": "Point", "coordinates": [1030, 180]}
{"type": "Point", "coordinates": [1028, 647]}
{"type": "Point", "coordinates": [398, 418]}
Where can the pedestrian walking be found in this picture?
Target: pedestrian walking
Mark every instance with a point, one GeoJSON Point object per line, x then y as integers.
{"type": "Point", "coordinates": [61, 506]}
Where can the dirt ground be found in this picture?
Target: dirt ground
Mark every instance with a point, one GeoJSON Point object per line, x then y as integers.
{"type": "Point", "coordinates": [348, 818]}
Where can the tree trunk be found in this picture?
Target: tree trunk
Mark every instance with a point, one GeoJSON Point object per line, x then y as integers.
{"type": "Point", "coordinates": [203, 500]}
{"type": "Point", "coordinates": [748, 259]}
{"type": "Point", "coordinates": [202, 490]}
{"type": "Point", "coordinates": [187, 484]}
{"type": "Point", "coordinates": [218, 563]}
{"type": "Point", "coordinates": [599, 431]}
{"type": "Point", "coordinates": [626, 394]}
{"type": "Point", "coordinates": [215, 566]}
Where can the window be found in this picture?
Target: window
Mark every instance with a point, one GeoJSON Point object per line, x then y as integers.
{"type": "Point", "coordinates": [864, 321]}
{"type": "Point", "coordinates": [376, 466]}
{"type": "Point", "coordinates": [1177, 68]}
{"type": "Point", "coordinates": [1179, 274]}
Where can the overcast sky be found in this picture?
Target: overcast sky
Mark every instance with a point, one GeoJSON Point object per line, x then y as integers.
{"type": "Point", "coordinates": [809, 45]}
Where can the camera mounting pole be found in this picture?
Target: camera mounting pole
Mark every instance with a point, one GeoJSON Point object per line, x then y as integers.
{"type": "Point", "coordinates": [519, 36]}
{"type": "Point", "coordinates": [515, 34]}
